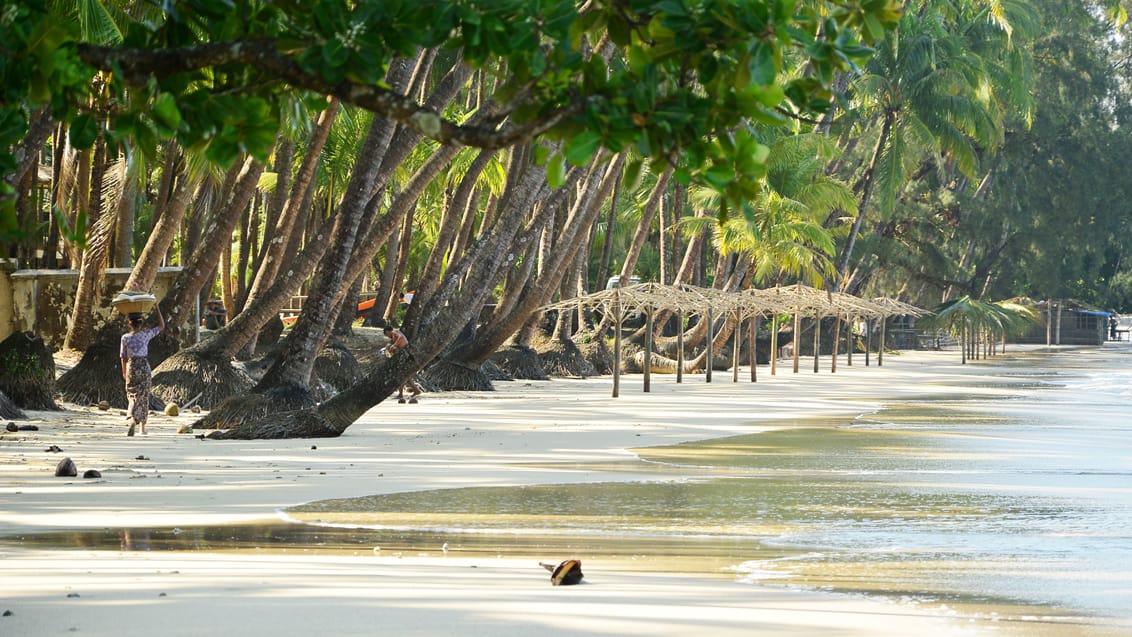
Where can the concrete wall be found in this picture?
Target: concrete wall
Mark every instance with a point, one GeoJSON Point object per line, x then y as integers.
{"type": "Point", "coordinates": [41, 301]}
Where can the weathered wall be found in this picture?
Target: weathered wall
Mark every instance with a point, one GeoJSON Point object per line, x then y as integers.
{"type": "Point", "coordinates": [41, 301]}
{"type": "Point", "coordinates": [7, 311]}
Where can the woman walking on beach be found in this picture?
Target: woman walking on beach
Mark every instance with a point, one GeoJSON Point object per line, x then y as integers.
{"type": "Point", "coordinates": [135, 368]}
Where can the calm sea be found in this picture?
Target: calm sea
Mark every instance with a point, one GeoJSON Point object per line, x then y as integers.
{"type": "Point", "coordinates": [1021, 501]}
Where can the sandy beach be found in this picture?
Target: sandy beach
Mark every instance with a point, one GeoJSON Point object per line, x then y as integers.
{"type": "Point", "coordinates": [526, 433]}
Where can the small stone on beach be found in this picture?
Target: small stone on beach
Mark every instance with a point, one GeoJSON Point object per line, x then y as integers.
{"type": "Point", "coordinates": [90, 474]}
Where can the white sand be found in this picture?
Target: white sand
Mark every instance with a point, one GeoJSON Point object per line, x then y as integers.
{"type": "Point", "coordinates": [449, 440]}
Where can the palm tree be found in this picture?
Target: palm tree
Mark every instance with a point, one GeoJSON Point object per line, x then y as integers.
{"type": "Point", "coordinates": [938, 85]}
{"type": "Point", "coordinates": [967, 318]}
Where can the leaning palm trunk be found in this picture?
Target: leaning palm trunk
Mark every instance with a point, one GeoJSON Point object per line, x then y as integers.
{"type": "Point", "coordinates": [575, 231]}
{"type": "Point", "coordinates": [456, 301]}
{"type": "Point", "coordinates": [866, 192]}
{"type": "Point", "coordinates": [91, 274]}
{"type": "Point", "coordinates": [279, 237]}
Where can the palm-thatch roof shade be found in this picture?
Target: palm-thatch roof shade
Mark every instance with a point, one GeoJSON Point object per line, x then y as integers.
{"type": "Point", "coordinates": [798, 299]}
{"type": "Point", "coordinates": [892, 307]}
{"type": "Point", "coordinates": [648, 298]}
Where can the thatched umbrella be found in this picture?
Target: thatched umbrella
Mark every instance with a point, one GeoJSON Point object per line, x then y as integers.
{"type": "Point", "coordinates": [799, 299]}
{"type": "Point", "coordinates": [648, 298]}
{"type": "Point", "coordinates": [753, 304]}
{"type": "Point", "coordinates": [891, 307]}
{"type": "Point", "coordinates": [849, 307]}
{"type": "Point", "coordinates": [621, 302]}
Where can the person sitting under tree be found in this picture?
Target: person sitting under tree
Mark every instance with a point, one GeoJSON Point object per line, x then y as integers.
{"type": "Point", "coordinates": [397, 342]}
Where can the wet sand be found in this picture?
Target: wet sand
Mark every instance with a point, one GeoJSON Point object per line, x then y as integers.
{"type": "Point", "coordinates": [526, 433]}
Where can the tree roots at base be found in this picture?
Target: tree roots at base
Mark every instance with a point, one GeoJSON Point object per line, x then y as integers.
{"type": "Point", "coordinates": [187, 375]}
{"type": "Point", "coordinates": [449, 376]}
{"type": "Point", "coordinates": [306, 423]}
{"type": "Point", "coordinates": [8, 409]}
{"type": "Point", "coordinates": [248, 409]}
{"type": "Point", "coordinates": [563, 358]}
{"type": "Point", "coordinates": [520, 362]}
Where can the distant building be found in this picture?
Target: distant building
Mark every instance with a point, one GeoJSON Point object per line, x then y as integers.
{"type": "Point", "coordinates": [1067, 325]}
{"type": "Point", "coordinates": [615, 281]}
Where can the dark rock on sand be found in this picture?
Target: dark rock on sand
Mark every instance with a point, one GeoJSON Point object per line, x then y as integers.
{"type": "Point", "coordinates": [66, 469]}
{"type": "Point", "coordinates": [91, 473]}
{"type": "Point", "coordinates": [12, 427]}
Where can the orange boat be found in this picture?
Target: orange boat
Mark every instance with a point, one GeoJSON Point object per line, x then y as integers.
{"type": "Point", "coordinates": [364, 308]}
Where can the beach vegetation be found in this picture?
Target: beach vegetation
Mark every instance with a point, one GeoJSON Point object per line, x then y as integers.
{"type": "Point", "coordinates": [495, 157]}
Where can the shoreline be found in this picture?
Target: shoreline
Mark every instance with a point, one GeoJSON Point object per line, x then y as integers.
{"type": "Point", "coordinates": [525, 433]}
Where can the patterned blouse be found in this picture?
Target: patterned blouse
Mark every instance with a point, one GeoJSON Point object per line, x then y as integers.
{"type": "Point", "coordinates": [136, 344]}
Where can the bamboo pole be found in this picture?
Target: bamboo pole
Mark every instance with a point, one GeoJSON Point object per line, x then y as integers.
{"type": "Point", "coordinates": [710, 343]}
{"type": "Point", "coordinates": [797, 337]}
{"type": "Point", "coordinates": [817, 340]}
{"type": "Point", "coordinates": [753, 340]}
{"type": "Point", "coordinates": [836, 343]}
{"type": "Point", "coordinates": [647, 378]}
{"type": "Point", "coordinates": [774, 345]}
{"type": "Point", "coordinates": [680, 348]}
{"type": "Point", "coordinates": [735, 336]}
{"type": "Point", "coordinates": [880, 345]}
{"type": "Point", "coordinates": [617, 349]}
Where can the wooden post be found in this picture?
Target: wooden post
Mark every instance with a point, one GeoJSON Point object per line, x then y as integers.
{"type": "Point", "coordinates": [680, 348]}
{"type": "Point", "coordinates": [880, 346]}
{"type": "Point", "coordinates": [836, 343]}
{"type": "Point", "coordinates": [617, 349]}
{"type": "Point", "coordinates": [647, 383]}
{"type": "Point", "coordinates": [817, 340]}
{"type": "Point", "coordinates": [754, 340]}
{"type": "Point", "coordinates": [868, 339]}
{"type": "Point", "coordinates": [774, 344]}
{"type": "Point", "coordinates": [710, 343]}
{"type": "Point", "coordinates": [797, 336]}
{"type": "Point", "coordinates": [735, 347]}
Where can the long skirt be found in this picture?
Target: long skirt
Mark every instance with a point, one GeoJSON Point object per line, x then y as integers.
{"type": "Point", "coordinates": [138, 385]}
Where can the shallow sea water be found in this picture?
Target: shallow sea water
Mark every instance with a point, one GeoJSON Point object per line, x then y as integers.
{"type": "Point", "coordinates": [1014, 505]}
{"type": "Point", "coordinates": [1013, 508]}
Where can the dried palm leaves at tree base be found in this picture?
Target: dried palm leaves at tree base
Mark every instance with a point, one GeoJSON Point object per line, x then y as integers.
{"type": "Point", "coordinates": [98, 375]}
{"type": "Point", "coordinates": [306, 423]}
{"type": "Point", "coordinates": [27, 372]}
{"type": "Point", "coordinates": [493, 373]}
{"type": "Point", "coordinates": [188, 373]}
{"type": "Point", "coordinates": [250, 407]}
{"type": "Point", "coordinates": [337, 366]}
{"type": "Point", "coordinates": [562, 357]}
{"type": "Point", "coordinates": [8, 409]}
{"type": "Point", "coordinates": [520, 362]}
{"type": "Point", "coordinates": [449, 376]}
{"type": "Point", "coordinates": [595, 351]}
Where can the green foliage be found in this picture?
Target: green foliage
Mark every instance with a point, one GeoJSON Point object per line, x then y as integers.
{"type": "Point", "coordinates": [22, 365]}
{"type": "Point", "coordinates": [688, 80]}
